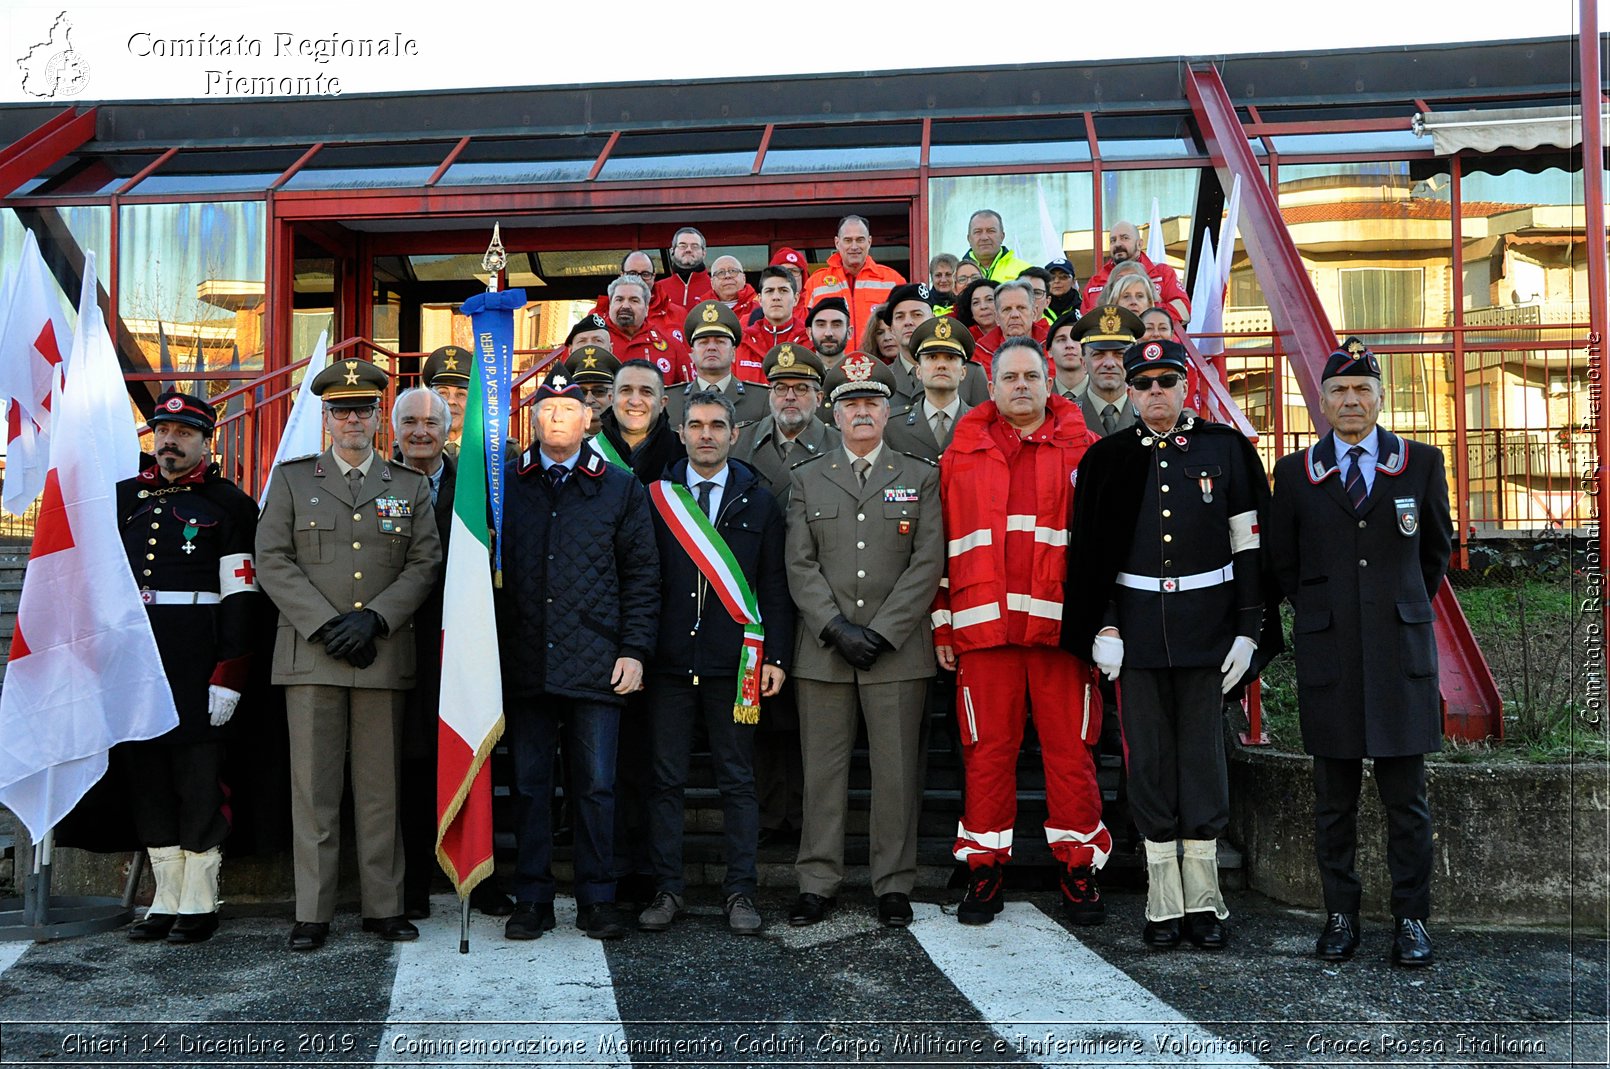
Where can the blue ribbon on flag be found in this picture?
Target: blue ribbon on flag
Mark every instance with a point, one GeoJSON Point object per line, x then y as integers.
{"type": "Point", "coordinates": [492, 320]}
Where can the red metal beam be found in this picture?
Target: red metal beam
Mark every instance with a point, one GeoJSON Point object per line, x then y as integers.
{"type": "Point", "coordinates": [62, 134]}
{"type": "Point", "coordinates": [147, 169]}
{"type": "Point", "coordinates": [1472, 708]}
{"type": "Point", "coordinates": [436, 175]}
{"type": "Point", "coordinates": [1588, 46]}
{"type": "Point", "coordinates": [603, 157]}
{"type": "Point", "coordinates": [301, 161]}
{"type": "Point", "coordinates": [760, 153]}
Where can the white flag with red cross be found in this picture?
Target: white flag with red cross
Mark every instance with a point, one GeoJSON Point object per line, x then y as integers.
{"type": "Point", "coordinates": [33, 340]}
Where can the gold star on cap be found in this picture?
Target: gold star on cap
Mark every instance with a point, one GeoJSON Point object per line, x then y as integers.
{"type": "Point", "coordinates": [451, 363]}
{"type": "Point", "coordinates": [352, 373]}
{"type": "Point", "coordinates": [588, 359]}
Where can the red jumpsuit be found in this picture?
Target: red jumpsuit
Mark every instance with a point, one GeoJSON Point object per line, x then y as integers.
{"type": "Point", "coordinates": [1008, 503]}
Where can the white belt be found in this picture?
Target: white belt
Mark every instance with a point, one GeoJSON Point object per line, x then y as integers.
{"type": "Point", "coordinates": [178, 597]}
{"type": "Point", "coordinates": [1175, 584]}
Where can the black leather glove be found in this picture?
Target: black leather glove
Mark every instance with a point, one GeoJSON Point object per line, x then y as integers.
{"type": "Point", "coordinates": [854, 642]}
{"type": "Point", "coordinates": [363, 656]}
{"type": "Point", "coordinates": [348, 633]}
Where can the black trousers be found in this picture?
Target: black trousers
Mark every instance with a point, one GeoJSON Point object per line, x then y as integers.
{"type": "Point", "coordinates": [1179, 785]}
{"type": "Point", "coordinates": [176, 792]}
{"type": "Point", "coordinates": [1402, 783]}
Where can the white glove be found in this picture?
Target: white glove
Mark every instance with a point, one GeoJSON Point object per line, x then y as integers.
{"type": "Point", "coordinates": [221, 702]}
{"type": "Point", "coordinates": [1236, 662]}
{"type": "Point", "coordinates": [1108, 655]}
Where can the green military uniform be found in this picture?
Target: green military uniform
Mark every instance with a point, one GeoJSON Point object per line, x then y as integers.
{"type": "Point", "coordinates": [327, 546]}
{"type": "Point", "coordinates": [707, 319]}
{"type": "Point", "coordinates": [911, 429]}
{"type": "Point", "coordinates": [871, 553]}
{"type": "Point", "coordinates": [764, 447]}
{"type": "Point", "coordinates": [449, 365]}
{"type": "Point", "coordinates": [1107, 328]}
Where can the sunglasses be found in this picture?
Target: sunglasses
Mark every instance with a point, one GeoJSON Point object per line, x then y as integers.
{"type": "Point", "coordinates": [1167, 380]}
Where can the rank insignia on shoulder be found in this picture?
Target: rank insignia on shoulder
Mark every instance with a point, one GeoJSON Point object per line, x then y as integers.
{"type": "Point", "coordinates": [395, 508]}
{"type": "Point", "coordinates": [595, 464]}
{"type": "Point", "coordinates": [898, 494]}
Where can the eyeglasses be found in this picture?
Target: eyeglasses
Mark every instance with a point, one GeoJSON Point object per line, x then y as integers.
{"type": "Point", "coordinates": [603, 392]}
{"type": "Point", "coordinates": [797, 389]}
{"type": "Point", "coordinates": [646, 275]}
{"type": "Point", "coordinates": [1167, 380]}
{"type": "Point", "coordinates": [725, 272]}
{"type": "Point", "coordinates": [343, 414]}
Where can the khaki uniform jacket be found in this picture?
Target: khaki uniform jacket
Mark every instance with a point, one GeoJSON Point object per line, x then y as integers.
{"type": "Point", "coordinates": [1091, 406]}
{"type": "Point", "coordinates": [974, 388]}
{"type": "Point", "coordinates": [873, 554]}
{"type": "Point", "coordinates": [320, 554]}
{"type": "Point", "coordinates": [910, 431]}
{"type": "Point", "coordinates": [758, 449]}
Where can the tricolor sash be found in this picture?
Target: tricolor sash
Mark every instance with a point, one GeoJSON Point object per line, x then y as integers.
{"type": "Point", "coordinates": [711, 555]}
{"type": "Point", "coordinates": [607, 450]}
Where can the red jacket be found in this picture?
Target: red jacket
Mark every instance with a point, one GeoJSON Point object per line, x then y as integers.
{"type": "Point", "coordinates": [984, 347]}
{"type": "Point", "coordinates": [671, 288]}
{"type": "Point", "coordinates": [1008, 509]}
{"type": "Point", "coordinates": [1163, 277]}
{"type": "Point", "coordinates": [871, 288]}
{"type": "Point", "coordinates": [746, 303]}
{"type": "Point", "coordinates": [666, 317]}
{"type": "Point", "coordinates": [759, 340]}
{"type": "Point", "coordinates": [653, 344]}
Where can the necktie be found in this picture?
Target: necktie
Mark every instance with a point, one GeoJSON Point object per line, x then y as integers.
{"type": "Point", "coordinates": [355, 483]}
{"type": "Point", "coordinates": [704, 487]}
{"type": "Point", "coordinates": [785, 446]}
{"type": "Point", "coordinates": [1109, 419]}
{"type": "Point", "coordinates": [862, 465]}
{"type": "Point", "coordinates": [556, 476]}
{"type": "Point", "coordinates": [941, 425]}
{"type": "Point", "coordinates": [1354, 485]}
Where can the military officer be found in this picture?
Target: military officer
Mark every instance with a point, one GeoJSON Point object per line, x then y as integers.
{"type": "Point", "coordinates": [1359, 537]}
{"type": "Point", "coordinates": [1103, 334]}
{"type": "Point", "coordinates": [347, 548]}
{"type": "Point", "coordinates": [865, 552]}
{"type": "Point", "coordinates": [1164, 585]}
{"type": "Point", "coordinates": [593, 367]}
{"type": "Point", "coordinates": [791, 434]}
{"type": "Point", "coordinates": [941, 348]}
{"type": "Point", "coordinates": [447, 372]}
{"type": "Point", "coordinates": [188, 534]}
{"type": "Point", "coordinates": [714, 334]}
{"type": "Point", "coordinates": [910, 305]}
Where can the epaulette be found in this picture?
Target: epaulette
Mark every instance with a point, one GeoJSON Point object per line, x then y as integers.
{"type": "Point", "coordinates": [925, 460]}
{"type": "Point", "coordinates": [807, 460]}
{"type": "Point", "coordinates": [300, 456]}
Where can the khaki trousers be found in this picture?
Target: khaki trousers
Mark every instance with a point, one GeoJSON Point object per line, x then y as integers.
{"type": "Point", "coordinates": [325, 723]}
{"type": "Point", "coordinates": [828, 713]}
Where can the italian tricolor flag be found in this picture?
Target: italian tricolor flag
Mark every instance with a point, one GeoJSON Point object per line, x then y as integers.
{"type": "Point", "coordinates": [471, 720]}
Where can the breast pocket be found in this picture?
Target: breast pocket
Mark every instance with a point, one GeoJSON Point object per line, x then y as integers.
{"type": "Point", "coordinates": [823, 522]}
{"type": "Point", "coordinates": [899, 524]}
{"type": "Point", "coordinates": [315, 537]}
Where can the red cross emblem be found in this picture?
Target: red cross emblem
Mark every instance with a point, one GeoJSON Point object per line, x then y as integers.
{"type": "Point", "coordinates": [246, 573]}
{"type": "Point", "coordinates": [1169, 585]}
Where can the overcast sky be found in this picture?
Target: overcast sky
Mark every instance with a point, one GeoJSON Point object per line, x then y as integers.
{"type": "Point", "coordinates": [223, 48]}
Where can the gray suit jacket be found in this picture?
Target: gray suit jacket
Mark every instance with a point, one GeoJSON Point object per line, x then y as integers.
{"type": "Point", "coordinates": [873, 554]}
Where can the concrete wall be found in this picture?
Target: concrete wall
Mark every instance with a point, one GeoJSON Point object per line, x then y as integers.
{"type": "Point", "coordinates": [1515, 843]}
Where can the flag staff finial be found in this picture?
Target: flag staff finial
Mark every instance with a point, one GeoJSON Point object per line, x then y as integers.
{"type": "Point", "coordinates": [495, 259]}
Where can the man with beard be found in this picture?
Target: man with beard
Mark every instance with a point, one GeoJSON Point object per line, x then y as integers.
{"type": "Point", "coordinates": [188, 534]}
{"type": "Point", "coordinates": [663, 314]}
{"type": "Point", "coordinates": [852, 274]}
{"type": "Point", "coordinates": [828, 322]}
{"type": "Point", "coordinates": [776, 325]}
{"type": "Point", "coordinates": [789, 436]}
{"type": "Point", "coordinates": [688, 283]}
{"type": "Point", "coordinates": [713, 333]}
{"type": "Point", "coordinates": [631, 337]}
{"type": "Point", "coordinates": [923, 428]}
{"type": "Point", "coordinates": [1104, 334]}
{"type": "Point", "coordinates": [635, 433]}
{"type": "Point", "coordinates": [1124, 246]}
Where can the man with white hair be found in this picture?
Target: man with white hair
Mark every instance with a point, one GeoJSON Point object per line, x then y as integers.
{"type": "Point", "coordinates": [633, 337]}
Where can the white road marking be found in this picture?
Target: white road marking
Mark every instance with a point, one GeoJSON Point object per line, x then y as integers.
{"type": "Point", "coordinates": [448, 1007]}
{"type": "Point", "coordinates": [1055, 1001]}
{"type": "Point", "coordinates": [10, 952]}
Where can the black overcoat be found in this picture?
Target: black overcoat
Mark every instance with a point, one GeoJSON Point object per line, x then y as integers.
{"type": "Point", "coordinates": [1361, 584]}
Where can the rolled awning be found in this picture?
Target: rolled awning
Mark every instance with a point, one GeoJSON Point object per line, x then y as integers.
{"type": "Point", "coordinates": [1489, 129]}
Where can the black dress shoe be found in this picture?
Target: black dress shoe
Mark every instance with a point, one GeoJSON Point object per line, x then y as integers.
{"type": "Point", "coordinates": [601, 920]}
{"type": "Point", "coordinates": [391, 929]}
{"type": "Point", "coordinates": [153, 927]}
{"type": "Point", "coordinates": [1164, 935]}
{"type": "Point", "coordinates": [894, 909]}
{"type": "Point", "coordinates": [416, 911]}
{"type": "Point", "coordinates": [491, 902]}
{"type": "Point", "coordinates": [309, 935]}
{"type": "Point", "coordinates": [638, 888]}
{"type": "Point", "coordinates": [1339, 938]}
{"type": "Point", "coordinates": [1206, 931]}
{"type": "Point", "coordinates": [810, 909]}
{"type": "Point", "coordinates": [1411, 945]}
{"type": "Point", "coordinates": [529, 920]}
{"type": "Point", "coordinates": [193, 928]}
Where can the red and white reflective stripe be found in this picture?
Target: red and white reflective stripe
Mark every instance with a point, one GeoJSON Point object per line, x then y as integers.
{"type": "Point", "coordinates": [989, 840]}
{"type": "Point", "coordinates": [978, 614]}
{"type": "Point", "coordinates": [237, 574]}
{"type": "Point", "coordinates": [940, 617]}
{"type": "Point", "coordinates": [1091, 839]}
{"type": "Point", "coordinates": [1045, 610]}
{"type": "Point", "coordinates": [1243, 531]}
{"type": "Point", "coordinates": [1051, 536]}
{"type": "Point", "coordinates": [972, 540]}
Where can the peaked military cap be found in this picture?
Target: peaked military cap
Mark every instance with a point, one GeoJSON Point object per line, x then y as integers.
{"type": "Point", "coordinates": [592, 363]}
{"type": "Point", "coordinates": [859, 375]}
{"type": "Point", "coordinates": [1159, 354]}
{"type": "Point", "coordinates": [1353, 358]}
{"type": "Point", "coordinates": [1107, 327]}
{"type": "Point", "coordinates": [942, 333]}
{"type": "Point", "coordinates": [351, 383]}
{"type": "Point", "coordinates": [448, 366]}
{"type": "Point", "coordinates": [712, 317]}
{"type": "Point", "coordinates": [791, 360]}
{"type": "Point", "coordinates": [186, 408]}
